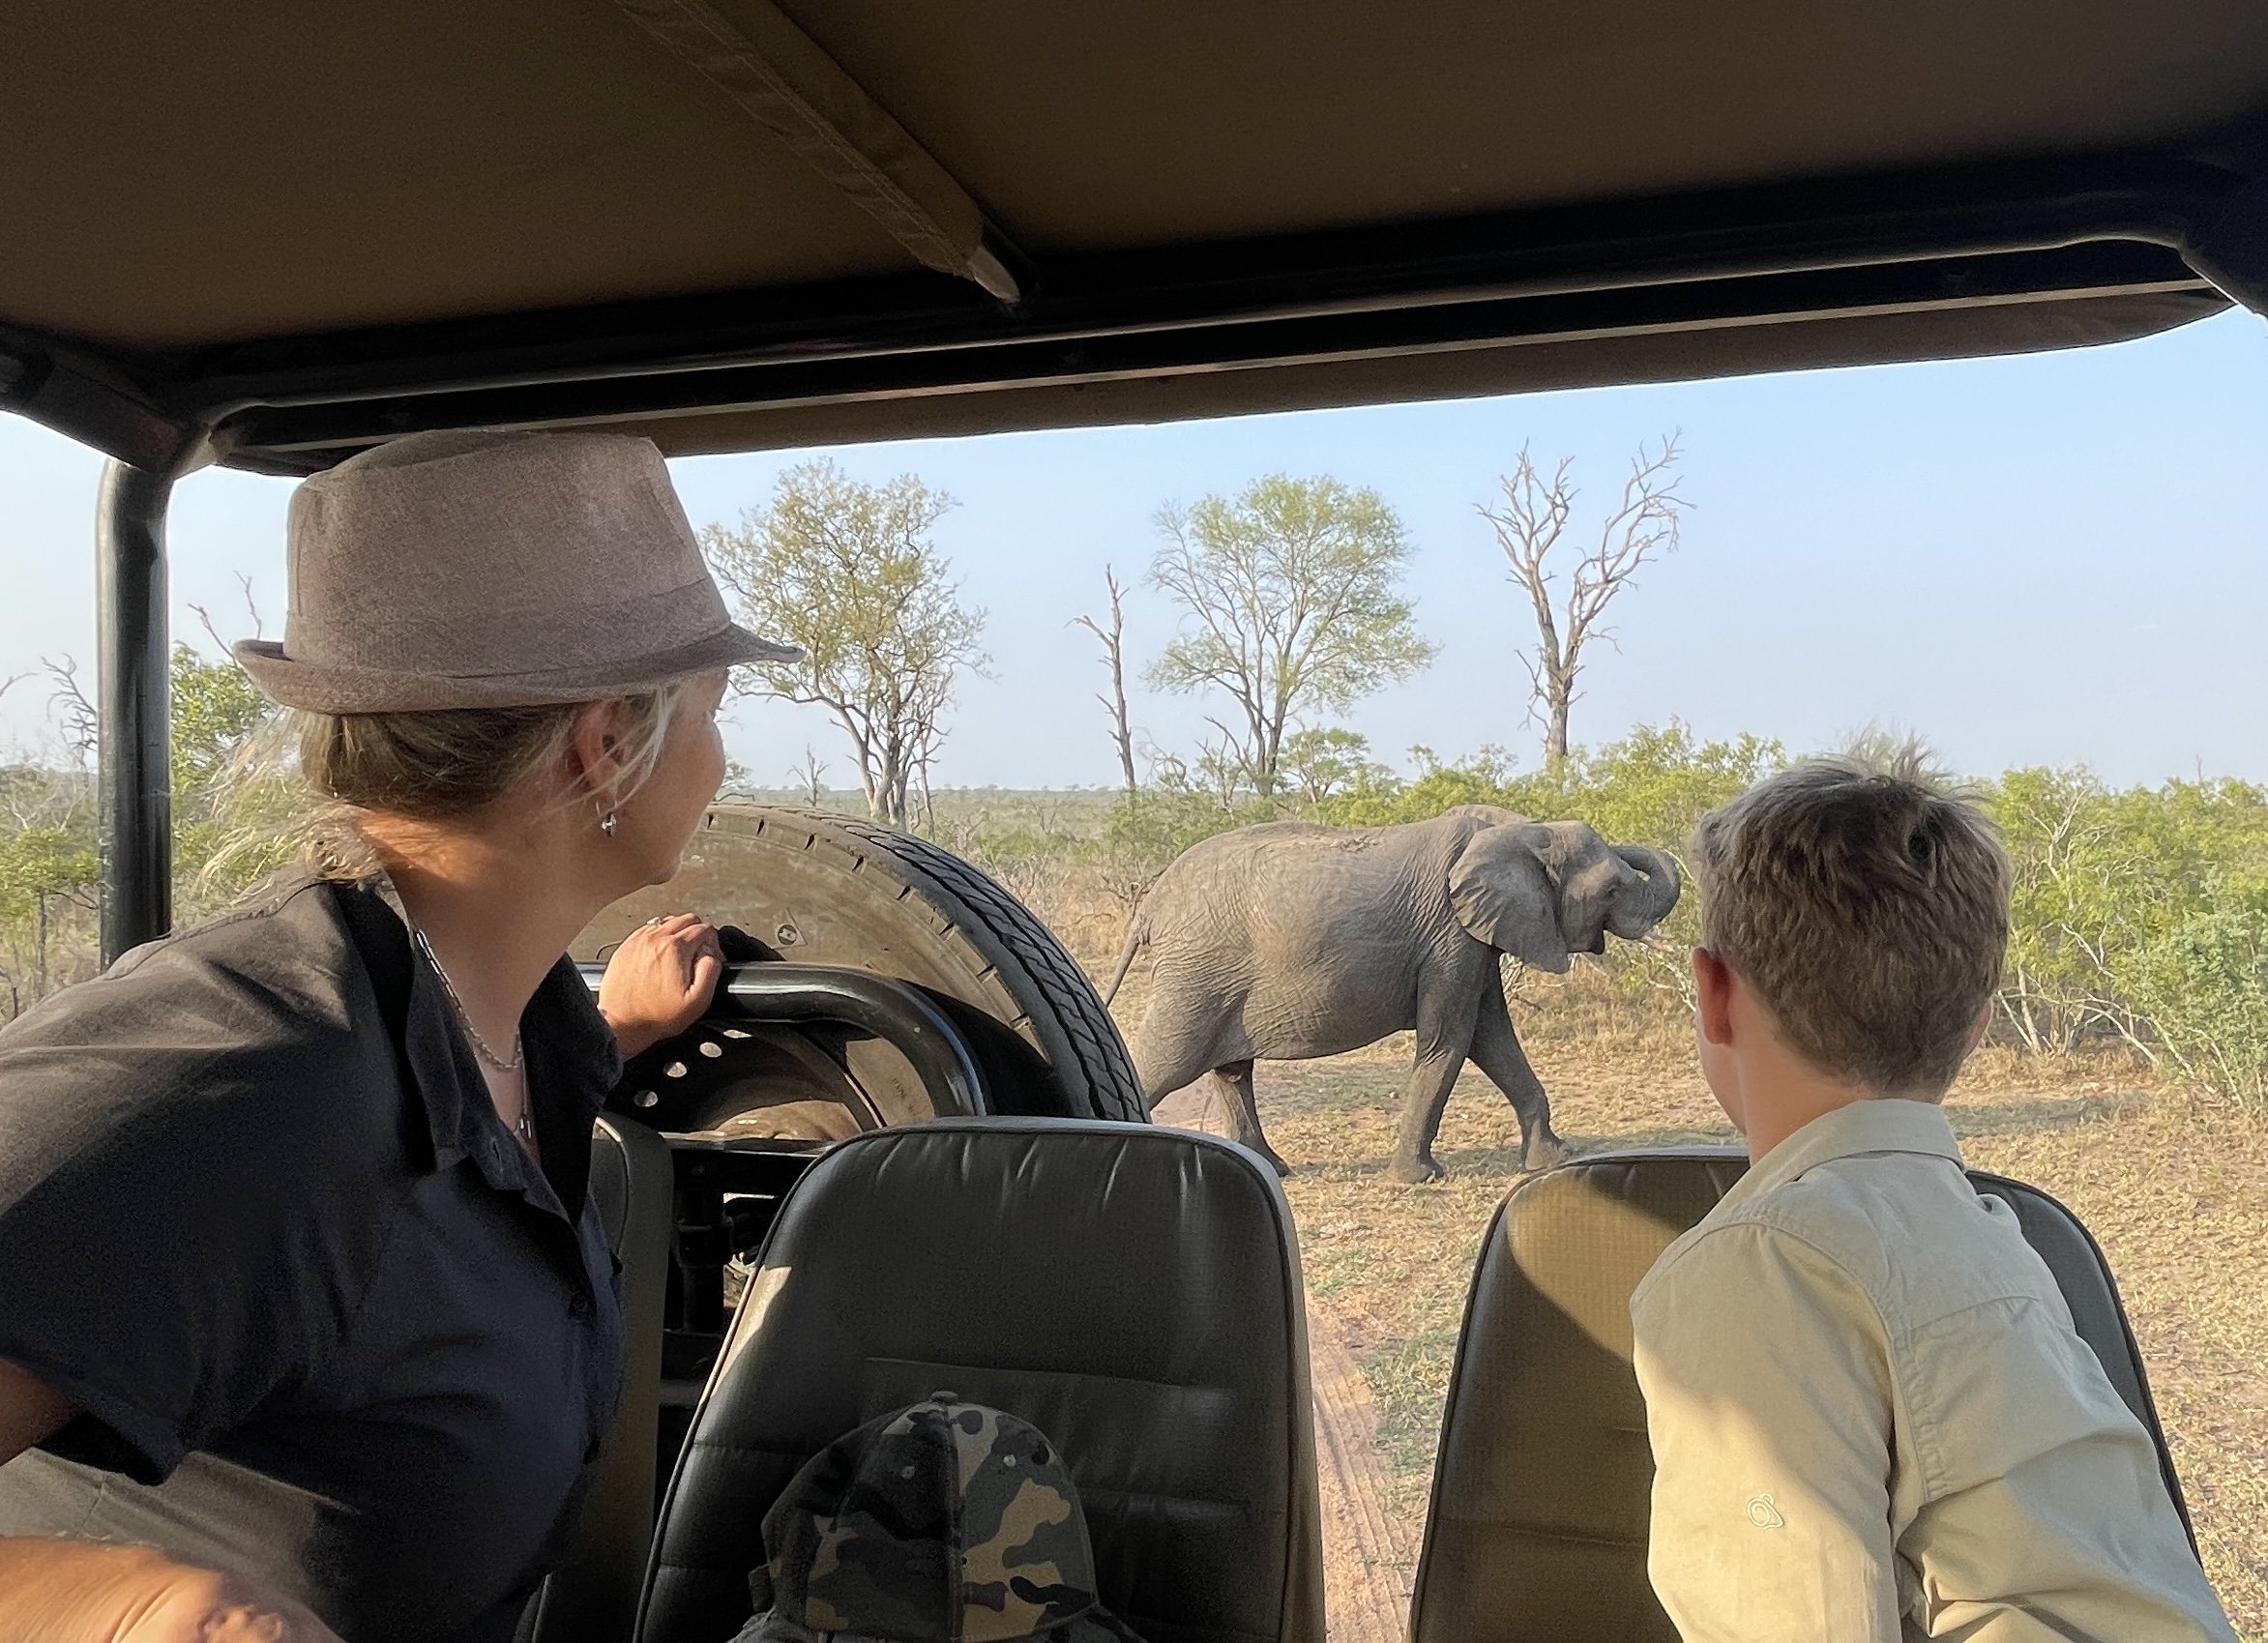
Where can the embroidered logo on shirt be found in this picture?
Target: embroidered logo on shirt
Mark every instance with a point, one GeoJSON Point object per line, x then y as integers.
{"type": "Point", "coordinates": [1764, 1514]}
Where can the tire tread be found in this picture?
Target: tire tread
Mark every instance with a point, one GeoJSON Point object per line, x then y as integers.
{"type": "Point", "coordinates": [1105, 1072]}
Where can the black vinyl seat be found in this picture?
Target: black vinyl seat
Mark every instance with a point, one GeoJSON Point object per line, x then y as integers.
{"type": "Point", "coordinates": [592, 1597]}
{"type": "Point", "coordinates": [1135, 1292]}
{"type": "Point", "coordinates": [1540, 1489]}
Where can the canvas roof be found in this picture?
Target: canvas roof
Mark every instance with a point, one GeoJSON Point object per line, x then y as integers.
{"type": "Point", "coordinates": [270, 232]}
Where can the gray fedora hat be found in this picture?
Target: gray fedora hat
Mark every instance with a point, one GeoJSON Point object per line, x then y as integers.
{"type": "Point", "coordinates": [494, 570]}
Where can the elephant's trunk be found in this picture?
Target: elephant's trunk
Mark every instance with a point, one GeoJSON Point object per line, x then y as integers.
{"type": "Point", "coordinates": [1644, 901]}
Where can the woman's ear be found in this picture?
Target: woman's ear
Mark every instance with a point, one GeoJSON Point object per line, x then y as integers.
{"type": "Point", "coordinates": [1501, 894]}
{"type": "Point", "coordinates": [594, 745]}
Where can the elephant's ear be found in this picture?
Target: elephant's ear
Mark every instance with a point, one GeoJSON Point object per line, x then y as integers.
{"type": "Point", "coordinates": [1503, 894]}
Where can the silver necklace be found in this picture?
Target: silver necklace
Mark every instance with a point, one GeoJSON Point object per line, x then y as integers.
{"type": "Point", "coordinates": [523, 1126]}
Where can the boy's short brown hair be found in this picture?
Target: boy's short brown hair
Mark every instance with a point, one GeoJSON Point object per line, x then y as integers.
{"type": "Point", "coordinates": [1868, 905]}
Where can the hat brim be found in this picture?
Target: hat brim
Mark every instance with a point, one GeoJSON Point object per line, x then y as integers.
{"type": "Point", "coordinates": [1097, 1625]}
{"type": "Point", "coordinates": [318, 688]}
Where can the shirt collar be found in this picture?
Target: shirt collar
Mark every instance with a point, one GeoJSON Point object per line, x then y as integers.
{"type": "Point", "coordinates": [573, 1061]}
{"type": "Point", "coordinates": [1864, 1126]}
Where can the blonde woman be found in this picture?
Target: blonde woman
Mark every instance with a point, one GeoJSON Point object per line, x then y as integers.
{"type": "Point", "coordinates": [307, 1323]}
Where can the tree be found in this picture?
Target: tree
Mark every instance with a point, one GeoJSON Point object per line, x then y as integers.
{"type": "Point", "coordinates": [1319, 765]}
{"type": "Point", "coordinates": [47, 867]}
{"type": "Point", "coordinates": [82, 725]}
{"type": "Point", "coordinates": [808, 776]}
{"type": "Point", "coordinates": [1291, 603]}
{"type": "Point", "coordinates": [1535, 513]}
{"type": "Point", "coordinates": [848, 570]}
{"type": "Point", "coordinates": [216, 707]}
{"type": "Point", "coordinates": [1115, 659]}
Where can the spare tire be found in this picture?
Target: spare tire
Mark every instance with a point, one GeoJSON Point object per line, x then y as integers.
{"type": "Point", "coordinates": [817, 888]}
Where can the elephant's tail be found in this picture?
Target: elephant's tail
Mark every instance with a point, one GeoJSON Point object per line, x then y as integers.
{"type": "Point", "coordinates": [1137, 937]}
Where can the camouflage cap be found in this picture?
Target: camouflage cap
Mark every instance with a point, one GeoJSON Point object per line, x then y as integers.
{"type": "Point", "coordinates": [945, 1522]}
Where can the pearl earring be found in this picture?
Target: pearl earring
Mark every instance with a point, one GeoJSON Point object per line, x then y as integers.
{"type": "Point", "coordinates": [608, 823]}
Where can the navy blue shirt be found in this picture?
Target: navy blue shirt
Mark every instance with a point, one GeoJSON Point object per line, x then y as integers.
{"type": "Point", "coordinates": [326, 1323]}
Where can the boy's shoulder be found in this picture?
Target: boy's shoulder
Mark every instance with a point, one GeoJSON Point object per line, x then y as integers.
{"type": "Point", "coordinates": [1904, 1227]}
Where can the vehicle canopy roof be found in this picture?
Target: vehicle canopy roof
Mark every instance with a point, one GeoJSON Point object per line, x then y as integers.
{"type": "Point", "coordinates": [270, 233]}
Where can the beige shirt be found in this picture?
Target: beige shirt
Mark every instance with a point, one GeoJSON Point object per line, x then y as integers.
{"type": "Point", "coordinates": [1872, 1420]}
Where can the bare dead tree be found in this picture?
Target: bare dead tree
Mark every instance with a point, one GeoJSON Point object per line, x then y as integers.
{"type": "Point", "coordinates": [808, 774]}
{"type": "Point", "coordinates": [1532, 518]}
{"type": "Point", "coordinates": [1114, 657]}
{"type": "Point", "coordinates": [251, 608]}
{"type": "Point", "coordinates": [82, 725]}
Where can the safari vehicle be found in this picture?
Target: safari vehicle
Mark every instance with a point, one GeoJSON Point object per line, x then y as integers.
{"type": "Point", "coordinates": [267, 236]}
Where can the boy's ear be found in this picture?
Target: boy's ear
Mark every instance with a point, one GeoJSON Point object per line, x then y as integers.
{"type": "Point", "coordinates": [1713, 985]}
{"type": "Point", "coordinates": [1977, 1033]}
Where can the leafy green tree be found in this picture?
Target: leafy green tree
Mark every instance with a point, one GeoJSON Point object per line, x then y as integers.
{"type": "Point", "coordinates": [48, 872]}
{"type": "Point", "coordinates": [849, 572]}
{"type": "Point", "coordinates": [2203, 988]}
{"type": "Point", "coordinates": [1317, 765]}
{"type": "Point", "coordinates": [2127, 913]}
{"type": "Point", "coordinates": [215, 708]}
{"type": "Point", "coordinates": [1291, 605]}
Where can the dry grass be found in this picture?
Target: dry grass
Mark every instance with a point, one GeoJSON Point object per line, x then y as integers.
{"type": "Point", "coordinates": [2175, 1189]}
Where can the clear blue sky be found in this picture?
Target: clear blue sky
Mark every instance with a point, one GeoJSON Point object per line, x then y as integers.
{"type": "Point", "coordinates": [2057, 559]}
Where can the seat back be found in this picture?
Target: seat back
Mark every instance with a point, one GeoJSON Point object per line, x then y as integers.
{"type": "Point", "coordinates": [593, 1598]}
{"type": "Point", "coordinates": [1542, 1483]}
{"type": "Point", "coordinates": [1134, 1292]}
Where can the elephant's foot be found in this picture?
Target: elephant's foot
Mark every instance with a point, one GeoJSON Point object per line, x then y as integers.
{"type": "Point", "coordinates": [1268, 1154]}
{"type": "Point", "coordinates": [1415, 1170]}
{"type": "Point", "coordinates": [1543, 1151]}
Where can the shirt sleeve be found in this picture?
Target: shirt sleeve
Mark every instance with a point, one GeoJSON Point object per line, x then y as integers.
{"type": "Point", "coordinates": [177, 1232]}
{"type": "Point", "coordinates": [1769, 1406]}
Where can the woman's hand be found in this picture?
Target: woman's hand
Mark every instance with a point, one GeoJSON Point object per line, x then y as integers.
{"type": "Point", "coordinates": [659, 980]}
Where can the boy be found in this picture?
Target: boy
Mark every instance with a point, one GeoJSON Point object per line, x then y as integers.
{"type": "Point", "coordinates": [1871, 1417]}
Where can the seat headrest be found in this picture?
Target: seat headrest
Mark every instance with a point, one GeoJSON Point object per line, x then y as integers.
{"type": "Point", "coordinates": [1131, 1291]}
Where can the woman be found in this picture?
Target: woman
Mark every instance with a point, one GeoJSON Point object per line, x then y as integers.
{"type": "Point", "coordinates": [301, 1290]}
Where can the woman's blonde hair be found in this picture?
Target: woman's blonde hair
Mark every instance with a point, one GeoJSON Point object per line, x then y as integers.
{"type": "Point", "coordinates": [438, 766]}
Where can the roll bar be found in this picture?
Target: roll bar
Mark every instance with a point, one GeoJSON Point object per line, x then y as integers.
{"type": "Point", "coordinates": [134, 704]}
{"type": "Point", "coordinates": [900, 1014]}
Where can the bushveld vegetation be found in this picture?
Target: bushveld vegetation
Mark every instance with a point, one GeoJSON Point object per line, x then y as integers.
{"type": "Point", "coordinates": [2140, 913]}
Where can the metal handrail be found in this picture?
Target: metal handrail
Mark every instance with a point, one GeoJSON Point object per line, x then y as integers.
{"type": "Point", "coordinates": [900, 1014]}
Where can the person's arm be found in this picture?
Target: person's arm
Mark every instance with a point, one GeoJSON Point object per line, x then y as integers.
{"type": "Point", "coordinates": [56, 1590]}
{"type": "Point", "coordinates": [29, 1413]}
{"type": "Point", "coordinates": [1769, 1407]}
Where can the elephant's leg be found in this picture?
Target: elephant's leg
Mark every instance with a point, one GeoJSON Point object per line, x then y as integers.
{"type": "Point", "coordinates": [1235, 1082]}
{"type": "Point", "coordinates": [1173, 1047]}
{"type": "Point", "coordinates": [1445, 1030]}
{"type": "Point", "coordinates": [1497, 1053]}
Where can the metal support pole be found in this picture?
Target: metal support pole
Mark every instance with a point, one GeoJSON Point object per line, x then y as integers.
{"type": "Point", "coordinates": [135, 702]}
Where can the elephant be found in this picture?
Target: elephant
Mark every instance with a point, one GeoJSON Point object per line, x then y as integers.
{"type": "Point", "coordinates": [1288, 940]}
